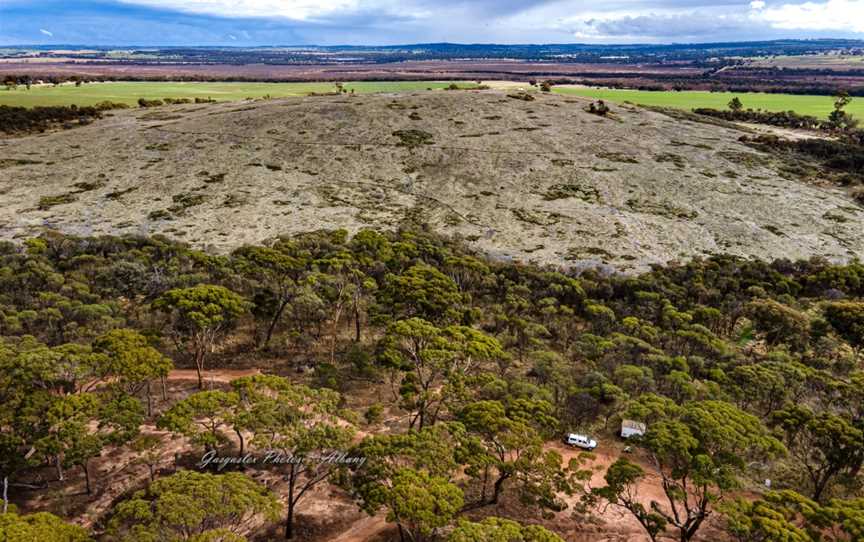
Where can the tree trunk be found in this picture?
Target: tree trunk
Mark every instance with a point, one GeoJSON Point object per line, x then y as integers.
{"type": "Point", "coordinates": [149, 401]}
{"type": "Point", "coordinates": [242, 442]}
{"type": "Point", "coordinates": [289, 522]}
{"type": "Point", "coordinates": [334, 334]}
{"type": "Point", "coordinates": [199, 367]}
{"type": "Point", "coordinates": [499, 485]}
{"type": "Point", "coordinates": [5, 494]}
{"type": "Point", "coordinates": [152, 468]}
{"type": "Point", "coordinates": [86, 477]}
{"type": "Point", "coordinates": [273, 322]}
{"type": "Point", "coordinates": [59, 468]}
{"type": "Point", "coordinates": [356, 323]}
{"type": "Point", "coordinates": [485, 484]}
{"type": "Point", "coordinates": [164, 388]}
{"type": "Point", "coordinates": [819, 488]}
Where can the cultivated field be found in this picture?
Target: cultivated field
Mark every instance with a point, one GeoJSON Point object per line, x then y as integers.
{"type": "Point", "coordinates": [817, 106]}
{"type": "Point", "coordinates": [538, 180]}
{"type": "Point", "coordinates": [811, 62]}
{"type": "Point", "coordinates": [130, 92]}
{"type": "Point", "coordinates": [411, 70]}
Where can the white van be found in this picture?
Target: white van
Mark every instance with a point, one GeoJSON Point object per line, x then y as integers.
{"type": "Point", "coordinates": [580, 441]}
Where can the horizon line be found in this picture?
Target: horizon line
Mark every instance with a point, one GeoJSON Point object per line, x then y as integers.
{"type": "Point", "coordinates": [421, 44]}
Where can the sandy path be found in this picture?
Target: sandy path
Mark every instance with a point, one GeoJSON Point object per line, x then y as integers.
{"type": "Point", "coordinates": [223, 376]}
{"type": "Point", "coordinates": [787, 133]}
{"type": "Point", "coordinates": [616, 523]}
{"type": "Point", "coordinates": [363, 530]}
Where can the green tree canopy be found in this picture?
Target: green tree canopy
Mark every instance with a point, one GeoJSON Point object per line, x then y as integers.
{"type": "Point", "coordinates": [500, 530]}
{"type": "Point", "coordinates": [132, 360]}
{"type": "Point", "coordinates": [190, 504]}
{"type": "Point", "coordinates": [698, 454]}
{"type": "Point", "coordinates": [198, 318]}
{"type": "Point", "coordinates": [298, 422]}
{"type": "Point", "coordinates": [41, 527]}
{"type": "Point", "coordinates": [424, 292]}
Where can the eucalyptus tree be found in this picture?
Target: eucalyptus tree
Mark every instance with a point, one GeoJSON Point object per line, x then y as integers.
{"type": "Point", "coordinates": [199, 318]}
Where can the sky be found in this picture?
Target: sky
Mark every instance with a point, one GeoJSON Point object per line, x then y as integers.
{"type": "Point", "coordinates": [391, 22]}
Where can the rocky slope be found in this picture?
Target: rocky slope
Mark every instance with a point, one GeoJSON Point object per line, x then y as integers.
{"type": "Point", "coordinates": [539, 180]}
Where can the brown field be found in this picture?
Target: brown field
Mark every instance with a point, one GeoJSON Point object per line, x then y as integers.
{"type": "Point", "coordinates": [812, 62]}
{"type": "Point", "coordinates": [421, 70]}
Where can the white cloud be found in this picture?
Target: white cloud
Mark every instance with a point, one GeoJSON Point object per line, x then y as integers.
{"type": "Point", "coordinates": [847, 15]}
{"type": "Point", "coordinates": [46, 32]}
{"type": "Point", "coordinates": [292, 9]}
{"type": "Point", "coordinates": [515, 21]}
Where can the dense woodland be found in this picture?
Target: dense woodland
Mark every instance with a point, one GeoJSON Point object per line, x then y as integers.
{"type": "Point", "coordinates": [742, 370]}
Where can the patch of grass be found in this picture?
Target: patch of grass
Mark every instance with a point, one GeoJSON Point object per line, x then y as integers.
{"type": "Point", "coordinates": [11, 162]}
{"type": "Point", "coordinates": [185, 201]}
{"type": "Point", "coordinates": [586, 253]}
{"type": "Point", "coordinates": [817, 106]}
{"type": "Point", "coordinates": [89, 186]}
{"type": "Point", "coordinates": [452, 219]}
{"type": "Point", "coordinates": [161, 214]}
{"type": "Point", "coordinates": [158, 147]}
{"type": "Point", "coordinates": [619, 157]}
{"type": "Point", "coordinates": [212, 178]}
{"type": "Point", "coordinates": [117, 194]}
{"type": "Point", "coordinates": [47, 202]}
{"type": "Point", "coordinates": [665, 208]}
{"type": "Point", "coordinates": [535, 217]}
{"type": "Point", "coordinates": [675, 143]}
{"type": "Point", "coordinates": [747, 159]}
{"type": "Point", "coordinates": [668, 157]}
{"type": "Point", "coordinates": [413, 138]}
{"type": "Point", "coordinates": [234, 200]}
{"type": "Point", "coordinates": [271, 167]}
{"type": "Point", "coordinates": [588, 194]}
{"type": "Point", "coordinates": [524, 96]}
{"type": "Point", "coordinates": [835, 217]}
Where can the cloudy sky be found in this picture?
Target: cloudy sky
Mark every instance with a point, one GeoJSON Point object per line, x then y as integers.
{"type": "Point", "coordinates": [384, 22]}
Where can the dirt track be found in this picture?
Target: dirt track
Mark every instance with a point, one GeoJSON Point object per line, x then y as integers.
{"type": "Point", "coordinates": [223, 376]}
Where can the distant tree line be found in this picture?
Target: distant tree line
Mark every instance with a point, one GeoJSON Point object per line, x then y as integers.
{"type": "Point", "coordinates": [38, 119]}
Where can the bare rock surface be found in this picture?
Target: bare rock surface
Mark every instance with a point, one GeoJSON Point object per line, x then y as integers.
{"type": "Point", "coordinates": [539, 180]}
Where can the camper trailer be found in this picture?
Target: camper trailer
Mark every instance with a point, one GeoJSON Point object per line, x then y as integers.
{"type": "Point", "coordinates": [630, 429]}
